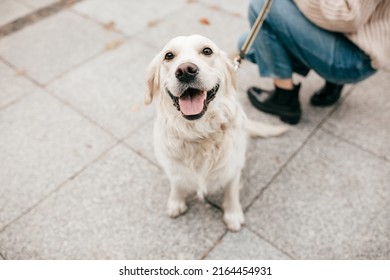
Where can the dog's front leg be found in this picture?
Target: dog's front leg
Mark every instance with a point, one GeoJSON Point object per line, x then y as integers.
{"type": "Point", "coordinates": [233, 215]}
{"type": "Point", "coordinates": [177, 198]}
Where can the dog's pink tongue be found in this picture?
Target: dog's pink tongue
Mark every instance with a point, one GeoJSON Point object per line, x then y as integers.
{"type": "Point", "coordinates": [192, 105]}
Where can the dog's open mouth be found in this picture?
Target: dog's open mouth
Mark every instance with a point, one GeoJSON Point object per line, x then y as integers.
{"type": "Point", "coordinates": [193, 102]}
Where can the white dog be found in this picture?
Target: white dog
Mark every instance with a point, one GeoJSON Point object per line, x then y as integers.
{"type": "Point", "coordinates": [200, 133]}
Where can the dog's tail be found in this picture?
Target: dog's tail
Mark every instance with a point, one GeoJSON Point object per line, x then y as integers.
{"type": "Point", "coordinates": [258, 129]}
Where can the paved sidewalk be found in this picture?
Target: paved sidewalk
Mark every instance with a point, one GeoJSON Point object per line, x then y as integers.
{"type": "Point", "coordinates": [78, 178]}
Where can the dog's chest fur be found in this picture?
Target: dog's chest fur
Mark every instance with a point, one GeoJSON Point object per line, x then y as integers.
{"type": "Point", "coordinates": [202, 155]}
{"type": "Point", "coordinates": [212, 149]}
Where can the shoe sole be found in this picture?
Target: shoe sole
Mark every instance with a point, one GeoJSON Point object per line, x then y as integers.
{"type": "Point", "coordinates": [317, 102]}
{"type": "Point", "coordinates": [323, 104]}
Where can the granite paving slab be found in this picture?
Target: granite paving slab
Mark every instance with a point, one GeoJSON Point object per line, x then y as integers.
{"type": "Point", "coordinates": [13, 86]}
{"type": "Point", "coordinates": [115, 209]}
{"type": "Point", "coordinates": [222, 27]}
{"type": "Point", "coordinates": [42, 144]}
{"type": "Point", "coordinates": [128, 16]}
{"type": "Point", "coordinates": [245, 245]}
{"type": "Point", "coordinates": [235, 7]}
{"type": "Point", "coordinates": [38, 4]}
{"type": "Point", "coordinates": [141, 141]}
{"type": "Point", "coordinates": [11, 10]}
{"type": "Point", "coordinates": [110, 89]}
{"type": "Point", "coordinates": [55, 44]}
{"type": "Point", "coordinates": [364, 117]}
{"type": "Point", "coordinates": [330, 202]}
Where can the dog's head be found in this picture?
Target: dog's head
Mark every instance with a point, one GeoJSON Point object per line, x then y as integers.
{"type": "Point", "coordinates": [190, 72]}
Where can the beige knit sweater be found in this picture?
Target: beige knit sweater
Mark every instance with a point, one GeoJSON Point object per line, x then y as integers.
{"type": "Point", "coordinates": [364, 22]}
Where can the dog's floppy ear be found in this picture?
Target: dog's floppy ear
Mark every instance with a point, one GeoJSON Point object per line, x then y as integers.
{"type": "Point", "coordinates": [230, 74]}
{"type": "Point", "coordinates": [152, 80]}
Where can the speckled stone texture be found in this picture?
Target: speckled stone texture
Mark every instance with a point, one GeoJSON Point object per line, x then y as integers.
{"type": "Point", "coordinates": [53, 46]}
{"type": "Point", "coordinates": [110, 89]}
{"type": "Point", "coordinates": [42, 144]}
{"type": "Point", "coordinates": [115, 209]}
{"type": "Point", "coordinates": [328, 203]}
{"type": "Point", "coordinates": [245, 245]}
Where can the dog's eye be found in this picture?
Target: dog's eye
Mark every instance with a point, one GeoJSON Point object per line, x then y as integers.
{"type": "Point", "coordinates": [169, 56]}
{"type": "Point", "coordinates": [207, 51]}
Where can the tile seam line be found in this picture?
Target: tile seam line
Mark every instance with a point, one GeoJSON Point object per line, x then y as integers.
{"type": "Point", "coordinates": [98, 22]}
{"type": "Point", "coordinates": [356, 145]}
{"type": "Point", "coordinates": [16, 100]}
{"type": "Point", "coordinates": [20, 98]}
{"type": "Point", "coordinates": [129, 134]}
{"type": "Point", "coordinates": [25, 4]}
{"type": "Point", "coordinates": [123, 40]}
{"type": "Point", "coordinates": [140, 154]}
{"type": "Point", "coordinates": [44, 87]}
{"type": "Point", "coordinates": [298, 150]}
{"type": "Point", "coordinates": [292, 257]}
{"type": "Point", "coordinates": [218, 240]}
{"type": "Point", "coordinates": [212, 247]}
{"type": "Point", "coordinates": [82, 115]}
{"type": "Point", "coordinates": [81, 64]}
{"type": "Point", "coordinates": [26, 76]}
{"type": "Point", "coordinates": [117, 30]}
{"type": "Point", "coordinates": [143, 30]}
{"type": "Point", "coordinates": [119, 140]}
{"type": "Point", "coordinates": [62, 101]}
{"type": "Point", "coordinates": [35, 16]}
{"type": "Point", "coordinates": [59, 187]}
{"type": "Point", "coordinates": [217, 8]}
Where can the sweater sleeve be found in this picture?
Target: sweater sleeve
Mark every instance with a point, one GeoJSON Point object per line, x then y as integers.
{"type": "Point", "coordinates": [338, 15]}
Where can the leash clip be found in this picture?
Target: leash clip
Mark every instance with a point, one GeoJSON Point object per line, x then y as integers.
{"type": "Point", "coordinates": [236, 63]}
{"type": "Point", "coordinates": [252, 34]}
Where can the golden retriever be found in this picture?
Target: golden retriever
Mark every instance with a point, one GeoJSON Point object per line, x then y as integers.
{"type": "Point", "coordinates": [201, 131]}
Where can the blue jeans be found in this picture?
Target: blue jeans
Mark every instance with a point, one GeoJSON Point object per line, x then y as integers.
{"type": "Point", "coordinates": [288, 42]}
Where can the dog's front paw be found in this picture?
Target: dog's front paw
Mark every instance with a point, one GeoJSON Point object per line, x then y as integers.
{"type": "Point", "coordinates": [234, 220]}
{"type": "Point", "coordinates": [176, 208]}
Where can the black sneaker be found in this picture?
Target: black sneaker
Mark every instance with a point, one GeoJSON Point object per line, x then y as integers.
{"type": "Point", "coordinates": [280, 102]}
{"type": "Point", "coordinates": [327, 95]}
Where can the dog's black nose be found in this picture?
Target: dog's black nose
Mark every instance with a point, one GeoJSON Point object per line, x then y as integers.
{"type": "Point", "coordinates": [186, 72]}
